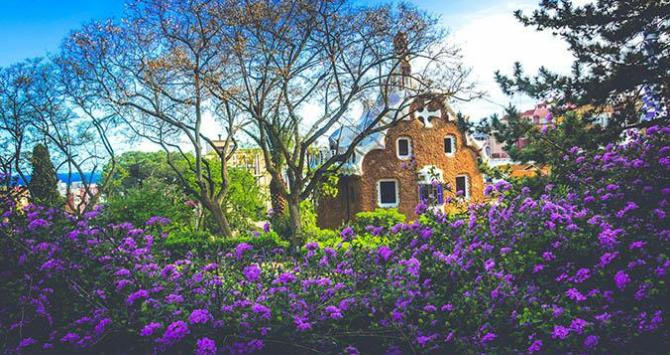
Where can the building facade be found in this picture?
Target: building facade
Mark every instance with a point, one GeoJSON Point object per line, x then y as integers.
{"type": "Point", "coordinates": [423, 157]}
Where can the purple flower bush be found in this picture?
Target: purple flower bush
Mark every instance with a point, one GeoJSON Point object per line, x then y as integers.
{"type": "Point", "coordinates": [583, 268]}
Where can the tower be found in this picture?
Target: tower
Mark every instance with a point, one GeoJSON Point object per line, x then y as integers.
{"type": "Point", "coordinates": [403, 70]}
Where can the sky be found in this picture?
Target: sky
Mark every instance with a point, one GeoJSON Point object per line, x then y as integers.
{"type": "Point", "coordinates": [488, 34]}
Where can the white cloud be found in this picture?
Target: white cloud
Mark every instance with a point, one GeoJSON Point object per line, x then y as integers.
{"type": "Point", "coordinates": [492, 40]}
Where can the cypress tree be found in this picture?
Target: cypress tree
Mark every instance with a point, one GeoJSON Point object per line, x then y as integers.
{"type": "Point", "coordinates": [43, 185]}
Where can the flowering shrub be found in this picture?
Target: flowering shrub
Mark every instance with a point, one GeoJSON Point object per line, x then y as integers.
{"type": "Point", "coordinates": [584, 271]}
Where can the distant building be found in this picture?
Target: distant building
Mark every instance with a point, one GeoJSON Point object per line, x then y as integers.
{"type": "Point", "coordinates": [250, 159]}
{"type": "Point", "coordinates": [73, 187]}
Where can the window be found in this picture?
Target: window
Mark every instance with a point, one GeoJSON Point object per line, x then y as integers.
{"type": "Point", "coordinates": [432, 194]}
{"type": "Point", "coordinates": [387, 193]}
{"type": "Point", "coordinates": [449, 145]}
{"type": "Point", "coordinates": [404, 148]}
{"type": "Point", "coordinates": [462, 186]}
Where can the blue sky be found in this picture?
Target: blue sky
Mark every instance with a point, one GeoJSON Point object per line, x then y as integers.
{"type": "Point", "coordinates": [31, 28]}
{"type": "Point", "coordinates": [490, 37]}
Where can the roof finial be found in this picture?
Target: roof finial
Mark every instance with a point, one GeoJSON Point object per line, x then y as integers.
{"type": "Point", "coordinates": [404, 69]}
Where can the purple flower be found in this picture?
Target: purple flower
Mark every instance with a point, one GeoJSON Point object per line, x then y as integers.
{"type": "Point", "coordinates": [578, 325]}
{"type": "Point", "coordinates": [607, 258]}
{"type": "Point", "coordinates": [347, 233]}
{"type": "Point", "coordinates": [241, 248]}
{"type": "Point", "coordinates": [334, 312]}
{"type": "Point", "coordinates": [252, 272]}
{"type": "Point", "coordinates": [102, 326]}
{"type": "Point", "coordinates": [122, 273]}
{"type": "Point", "coordinates": [384, 252]}
{"type": "Point", "coordinates": [488, 337]}
{"type": "Point", "coordinates": [423, 340]}
{"type": "Point", "coordinates": [157, 220]}
{"type": "Point", "coordinates": [70, 338]}
{"type": "Point", "coordinates": [535, 346]}
{"type": "Point", "coordinates": [312, 246]}
{"type": "Point", "coordinates": [582, 275]}
{"type": "Point", "coordinates": [621, 279]}
{"type": "Point", "coordinates": [199, 316]}
{"type": "Point", "coordinates": [174, 333]}
{"type": "Point", "coordinates": [489, 264]}
{"type": "Point", "coordinates": [560, 332]}
{"type": "Point", "coordinates": [205, 346]}
{"type": "Point", "coordinates": [575, 295]}
{"type": "Point", "coordinates": [172, 298]}
{"type": "Point", "coordinates": [37, 223]}
{"type": "Point", "coordinates": [301, 323]}
{"type": "Point", "coordinates": [421, 208]}
{"type": "Point", "coordinates": [591, 341]}
{"type": "Point", "coordinates": [548, 256]}
{"type": "Point", "coordinates": [135, 296]}
{"type": "Point", "coordinates": [149, 329]}
{"type": "Point", "coordinates": [26, 342]}
{"type": "Point", "coordinates": [262, 310]}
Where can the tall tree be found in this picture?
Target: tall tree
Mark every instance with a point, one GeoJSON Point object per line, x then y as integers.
{"type": "Point", "coordinates": [620, 78]}
{"type": "Point", "coordinates": [15, 117]}
{"type": "Point", "coordinates": [151, 70]}
{"type": "Point", "coordinates": [43, 185]}
{"type": "Point", "coordinates": [301, 67]}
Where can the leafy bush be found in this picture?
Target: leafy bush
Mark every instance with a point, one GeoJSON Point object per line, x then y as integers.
{"type": "Point", "coordinates": [153, 198]}
{"type": "Point", "coordinates": [585, 271]}
{"type": "Point", "coordinates": [203, 243]}
{"type": "Point", "coordinates": [380, 217]}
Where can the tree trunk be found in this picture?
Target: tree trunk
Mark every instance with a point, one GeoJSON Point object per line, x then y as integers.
{"type": "Point", "coordinates": [221, 221]}
{"type": "Point", "coordinates": [296, 225]}
{"type": "Point", "coordinates": [278, 201]}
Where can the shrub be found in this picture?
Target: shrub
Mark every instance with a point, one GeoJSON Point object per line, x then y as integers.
{"type": "Point", "coordinates": [203, 243]}
{"type": "Point", "coordinates": [153, 198]}
{"type": "Point", "coordinates": [380, 217]}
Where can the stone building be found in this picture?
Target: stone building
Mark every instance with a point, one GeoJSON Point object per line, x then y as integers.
{"type": "Point", "coordinates": [423, 157]}
{"type": "Point", "coordinates": [251, 159]}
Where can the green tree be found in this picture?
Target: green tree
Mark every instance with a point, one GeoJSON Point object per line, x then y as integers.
{"type": "Point", "coordinates": [43, 185]}
{"type": "Point", "coordinates": [139, 177]}
{"type": "Point", "coordinates": [622, 61]}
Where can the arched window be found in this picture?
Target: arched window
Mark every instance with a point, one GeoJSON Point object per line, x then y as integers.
{"type": "Point", "coordinates": [404, 148]}
{"type": "Point", "coordinates": [449, 145]}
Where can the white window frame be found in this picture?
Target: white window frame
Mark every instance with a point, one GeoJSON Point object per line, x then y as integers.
{"type": "Point", "coordinates": [453, 145]}
{"type": "Point", "coordinates": [379, 194]}
{"type": "Point", "coordinates": [409, 148]}
{"type": "Point", "coordinates": [467, 194]}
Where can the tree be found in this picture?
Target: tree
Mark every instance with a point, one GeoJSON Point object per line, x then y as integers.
{"type": "Point", "coordinates": [621, 70]}
{"type": "Point", "coordinates": [151, 70]}
{"type": "Point", "coordinates": [15, 113]}
{"type": "Point", "coordinates": [301, 67]}
{"type": "Point", "coordinates": [36, 108]}
{"type": "Point", "coordinates": [140, 177]}
{"type": "Point", "coordinates": [43, 185]}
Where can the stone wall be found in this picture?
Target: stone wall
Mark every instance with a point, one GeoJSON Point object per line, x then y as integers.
{"type": "Point", "coordinates": [427, 149]}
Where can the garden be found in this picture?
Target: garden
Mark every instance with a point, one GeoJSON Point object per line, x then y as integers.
{"type": "Point", "coordinates": [566, 269]}
{"type": "Point", "coordinates": [127, 228]}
